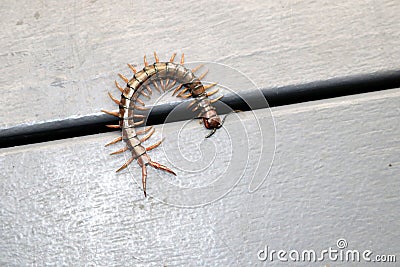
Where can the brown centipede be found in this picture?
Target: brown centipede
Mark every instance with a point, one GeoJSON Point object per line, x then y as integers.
{"type": "Point", "coordinates": [168, 74]}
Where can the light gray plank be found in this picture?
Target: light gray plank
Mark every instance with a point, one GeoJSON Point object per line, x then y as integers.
{"type": "Point", "coordinates": [59, 59]}
{"type": "Point", "coordinates": [335, 175]}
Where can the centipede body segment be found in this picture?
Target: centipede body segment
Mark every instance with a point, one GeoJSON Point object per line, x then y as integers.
{"type": "Point", "coordinates": [163, 76]}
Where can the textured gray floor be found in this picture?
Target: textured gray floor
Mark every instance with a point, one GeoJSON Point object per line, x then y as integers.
{"type": "Point", "coordinates": [335, 175]}
{"type": "Point", "coordinates": [59, 59]}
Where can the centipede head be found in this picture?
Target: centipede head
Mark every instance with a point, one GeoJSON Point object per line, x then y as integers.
{"type": "Point", "coordinates": [213, 124]}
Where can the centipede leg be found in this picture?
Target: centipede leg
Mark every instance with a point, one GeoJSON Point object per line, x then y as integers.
{"type": "Point", "coordinates": [211, 93]}
{"type": "Point", "coordinates": [119, 151]}
{"type": "Point", "coordinates": [162, 85]}
{"type": "Point", "coordinates": [197, 67]}
{"type": "Point", "coordinates": [125, 164]}
{"type": "Point", "coordinates": [116, 140]}
{"type": "Point", "coordinates": [149, 89]}
{"type": "Point", "coordinates": [208, 86]}
{"type": "Point", "coordinates": [192, 103]}
{"type": "Point", "coordinates": [132, 68]}
{"type": "Point", "coordinates": [161, 167]}
{"type": "Point", "coordinates": [123, 77]}
{"type": "Point", "coordinates": [113, 126]}
{"type": "Point", "coordinates": [144, 130]}
{"type": "Point", "coordinates": [113, 113]}
{"type": "Point", "coordinates": [216, 99]}
{"type": "Point", "coordinates": [171, 85]}
{"type": "Point", "coordinates": [144, 176]}
{"type": "Point", "coordinates": [182, 92]}
{"type": "Point", "coordinates": [177, 89]}
{"type": "Point", "coordinates": [148, 135]}
{"type": "Point", "coordinates": [201, 77]}
{"type": "Point", "coordinates": [172, 57]}
{"type": "Point", "coordinates": [166, 85]}
{"type": "Point", "coordinates": [119, 87]}
{"type": "Point", "coordinates": [154, 145]}
{"type": "Point", "coordinates": [156, 57]}
{"type": "Point", "coordinates": [186, 96]}
{"type": "Point", "coordinates": [155, 84]}
{"type": "Point", "coordinates": [114, 99]}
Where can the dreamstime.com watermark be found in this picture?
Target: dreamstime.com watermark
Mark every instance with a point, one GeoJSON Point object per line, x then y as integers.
{"type": "Point", "coordinates": [338, 254]}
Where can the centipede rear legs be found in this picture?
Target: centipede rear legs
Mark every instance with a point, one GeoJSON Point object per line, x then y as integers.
{"type": "Point", "coordinates": [145, 160]}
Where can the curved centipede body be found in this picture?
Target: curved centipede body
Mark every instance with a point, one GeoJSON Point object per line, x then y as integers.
{"type": "Point", "coordinates": [163, 76]}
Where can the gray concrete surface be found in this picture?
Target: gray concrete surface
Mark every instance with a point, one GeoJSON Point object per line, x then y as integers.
{"type": "Point", "coordinates": [58, 59]}
{"type": "Point", "coordinates": [335, 175]}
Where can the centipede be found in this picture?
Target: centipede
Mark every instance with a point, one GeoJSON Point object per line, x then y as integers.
{"type": "Point", "coordinates": [164, 77]}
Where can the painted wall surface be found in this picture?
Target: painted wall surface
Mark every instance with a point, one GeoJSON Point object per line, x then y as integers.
{"type": "Point", "coordinates": [59, 59]}
{"type": "Point", "coordinates": [331, 167]}
{"type": "Point", "coordinates": [335, 175]}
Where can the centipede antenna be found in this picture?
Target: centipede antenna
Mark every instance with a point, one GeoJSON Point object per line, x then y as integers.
{"type": "Point", "coordinates": [114, 113]}
{"type": "Point", "coordinates": [213, 92]}
{"type": "Point", "coordinates": [125, 164]}
{"type": "Point", "coordinates": [198, 118]}
{"type": "Point", "coordinates": [156, 57]}
{"type": "Point", "coordinates": [119, 151]}
{"type": "Point", "coordinates": [208, 86]}
{"type": "Point", "coordinates": [211, 133]}
{"type": "Point", "coordinates": [183, 59]}
{"type": "Point", "coordinates": [201, 77]}
{"type": "Point", "coordinates": [216, 99]}
{"type": "Point", "coordinates": [116, 140]}
{"type": "Point", "coordinates": [233, 111]}
{"type": "Point", "coordinates": [197, 67]}
{"type": "Point", "coordinates": [112, 126]}
{"type": "Point", "coordinates": [113, 98]}
{"type": "Point", "coordinates": [132, 68]}
{"type": "Point", "coordinates": [123, 77]}
{"type": "Point", "coordinates": [148, 135]}
{"type": "Point", "coordinates": [119, 86]}
{"type": "Point", "coordinates": [172, 57]}
{"type": "Point", "coordinates": [145, 61]}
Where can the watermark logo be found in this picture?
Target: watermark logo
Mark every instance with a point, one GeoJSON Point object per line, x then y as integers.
{"type": "Point", "coordinates": [209, 168]}
{"type": "Point", "coordinates": [340, 253]}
